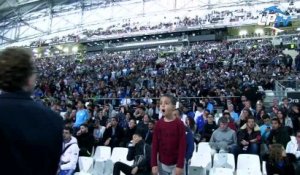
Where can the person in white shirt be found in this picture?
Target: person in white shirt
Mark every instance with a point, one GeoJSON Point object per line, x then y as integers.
{"type": "Point", "coordinates": [70, 153]}
{"type": "Point", "coordinates": [293, 147]}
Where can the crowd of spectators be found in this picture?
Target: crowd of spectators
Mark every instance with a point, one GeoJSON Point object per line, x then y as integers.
{"type": "Point", "coordinates": [105, 97]}
{"type": "Point", "coordinates": [208, 18]}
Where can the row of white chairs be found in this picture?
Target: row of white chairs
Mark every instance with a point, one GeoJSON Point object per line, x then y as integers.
{"type": "Point", "coordinates": [101, 162]}
{"type": "Point", "coordinates": [205, 159]}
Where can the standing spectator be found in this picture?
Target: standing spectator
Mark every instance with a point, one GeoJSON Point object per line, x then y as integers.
{"type": "Point", "coordinates": [82, 116]}
{"type": "Point", "coordinates": [249, 137]}
{"type": "Point", "coordinates": [31, 135]}
{"type": "Point", "coordinates": [190, 143]}
{"type": "Point", "coordinates": [149, 134]}
{"type": "Point", "coordinates": [169, 141]}
{"type": "Point", "coordinates": [209, 128]}
{"type": "Point", "coordinates": [70, 153]}
{"type": "Point", "coordinates": [140, 153]}
{"type": "Point", "coordinates": [113, 133]}
{"type": "Point", "coordinates": [224, 139]}
{"type": "Point", "coordinates": [85, 141]}
{"type": "Point", "coordinates": [278, 134]}
{"type": "Point", "coordinates": [278, 162]}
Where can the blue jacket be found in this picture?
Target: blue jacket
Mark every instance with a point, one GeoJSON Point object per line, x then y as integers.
{"type": "Point", "coordinates": [200, 122]}
{"type": "Point", "coordinates": [190, 144]}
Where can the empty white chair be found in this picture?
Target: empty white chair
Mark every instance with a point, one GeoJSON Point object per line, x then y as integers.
{"type": "Point", "coordinates": [248, 162]}
{"type": "Point", "coordinates": [119, 154]}
{"type": "Point", "coordinates": [85, 164]}
{"type": "Point", "coordinates": [102, 153]}
{"type": "Point", "coordinates": [264, 168]}
{"type": "Point", "coordinates": [224, 160]}
{"type": "Point", "coordinates": [200, 163]}
{"type": "Point", "coordinates": [82, 173]}
{"type": "Point", "coordinates": [248, 172]}
{"type": "Point", "coordinates": [204, 147]}
{"type": "Point", "coordinates": [220, 171]}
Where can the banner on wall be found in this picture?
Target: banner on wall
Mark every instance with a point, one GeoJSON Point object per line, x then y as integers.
{"type": "Point", "coordinates": [273, 16]}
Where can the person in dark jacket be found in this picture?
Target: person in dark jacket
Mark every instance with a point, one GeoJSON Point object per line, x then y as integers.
{"type": "Point", "coordinates": [140, 153]}
{"type": "Point", "coordinates": [31, 134]}
{"type": "Point", "coordinates": [279, 162]}
{"type": "Point", "coordinates": [249, 137]}
{"type": "Point", "coordinates": [149, 134]}
{"type": "Point", "coordinates": [85, 141]}
{"type": "Point", "coordinates": [189, 140]}
{"type": "Point", "coordinates": [278, 134]}
{"type": "Point", "coordinates": [129, 133]}
{"type": "Point", "coordinates": [113, 133]}
{"type": "Point", "coordinates": [209, 128]}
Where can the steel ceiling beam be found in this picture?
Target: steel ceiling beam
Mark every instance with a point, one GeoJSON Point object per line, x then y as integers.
{"type": "Point", "coordinates": [6, 39]}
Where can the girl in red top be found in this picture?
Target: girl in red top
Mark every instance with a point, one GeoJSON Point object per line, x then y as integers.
{"type": "Point", "coordinates": [169, 141]}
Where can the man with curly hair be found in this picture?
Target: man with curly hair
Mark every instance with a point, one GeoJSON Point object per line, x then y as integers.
{"type": "Point", "coordinates": [31, 135]}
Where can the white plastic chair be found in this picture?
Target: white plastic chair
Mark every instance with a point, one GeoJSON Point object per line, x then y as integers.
{"type": "Point", "coordinates": [102, 153]}
{"type": "Point", "coordinates": [228, 159]}
{"type": "Point", "coordinates": [248, 172]}
{"type": "Point", "coordinates": [82, 173]}
{"type": "Point", "coordinates": [220, 171]}
{"type": "Point", "coordinates": [248, 162]}
{"type": "Point", "coordinates": [200, 163]}
{"type": "Point", "coordinates": [264, 168]}
{"type": "Point", "coordinates": [85, 164]}
{"type": "Point", "coordinates": [119, 154]}
{"type": "Point", "coordinates": [204, 147]}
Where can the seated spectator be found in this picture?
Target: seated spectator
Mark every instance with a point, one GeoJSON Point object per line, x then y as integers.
{"type": "Point", "coordinates": [293, 147]}
{"type": "Point", "coordinates": [70, 153]}
{"type": "Point", "coordinates": [82, 116]}
{"type": "Point", "coordinates": [190, 122]}
{"type": "Point", "coordinates": [233, 114]}
{"type": "Point", "coordinates": [113, 133]}
{"type": "Point", "coordinates": [231, 123]}
{"type": "Point", "coordinates": [209, 127]}
{"type": "Point", "coordinates": [265, 129]}
{"type": "Point", "coordinates": [278, 134]}
{"type": "Point", "coordinates": [294, 114]}
{"type": "Point", "coordinates": [285, 106]}
{"type": "Point", "coordinates": [102, 118]}
{"type": "Point", "coordinates": [278, 161]}
{"type": "Point", "coordinates": [139, 113]}
{"type": "Point", "coordinates": [249, 137]}
{"type": "Point", "coordinates": [98, 133]}
{"type": "Point", "coordinates": [85, 141]}
{"type": "Point", "coordinates": [140, 153]}
{"type": "Point", "coordinates": [243, 117]}
{"type": "Point", "coordinates": [223, 139]}
{"type": "Point", "coordinates": [285, 121]}
{"type": "Point", "coordinates": [129, 133]}
{"type": "Point", "coordinates": [143, 125]}
{"type": "Point", "coordinates": [149, 134]}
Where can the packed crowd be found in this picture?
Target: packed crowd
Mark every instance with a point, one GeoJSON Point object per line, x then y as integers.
{"type": "Point", "coordinates": [107, 97]}
{"type": "Point", "coordinates": [129, 27]}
